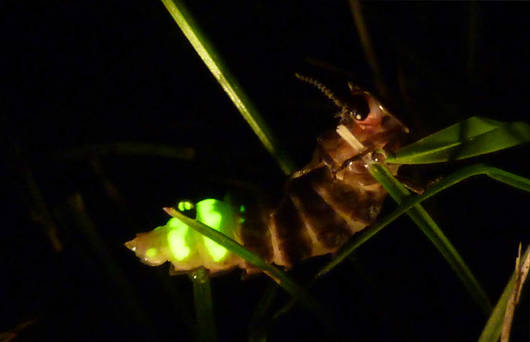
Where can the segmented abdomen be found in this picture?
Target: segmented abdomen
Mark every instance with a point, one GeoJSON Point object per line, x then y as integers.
{"type": "Point", "coordinates": [316, 216]}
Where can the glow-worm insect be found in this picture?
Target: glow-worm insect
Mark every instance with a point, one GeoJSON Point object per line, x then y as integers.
{"type": "Point", "coordinates": [325, 203]}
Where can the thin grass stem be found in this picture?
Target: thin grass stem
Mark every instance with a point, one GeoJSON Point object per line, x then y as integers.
{"type": "Point", "coordinates": [368, 48]}
{"type": "Point", "coordinates": [522, 266]}
{"type": "Point", "coordinates": [202, 296]}
{"type": "Point", "coordinates": [494, 326]}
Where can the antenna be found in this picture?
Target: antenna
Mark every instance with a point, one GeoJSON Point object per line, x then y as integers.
{"type": "Point", "coordinates": [323, 89]}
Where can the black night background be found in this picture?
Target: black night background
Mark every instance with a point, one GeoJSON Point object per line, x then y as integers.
{"type": "Point", "coordinates": [81, 74]}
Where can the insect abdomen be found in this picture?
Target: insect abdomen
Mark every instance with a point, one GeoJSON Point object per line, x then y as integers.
{"type": "Point", "coordinates": [317, 215]}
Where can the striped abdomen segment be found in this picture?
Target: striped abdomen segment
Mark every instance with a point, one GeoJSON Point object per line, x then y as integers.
{"type": "Point", "coordinates": [317, 216]}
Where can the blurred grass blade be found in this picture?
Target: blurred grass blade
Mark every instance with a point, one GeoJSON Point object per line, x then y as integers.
{"type": "Point", "coordinates": [202, 296]}
{"type": "Point", "coordinates": [427, 225]}
{"type": "Point", "coordinates": [235, 92]}
{"type": "Point", "coordinates": [466, 139]}
{"type": "Point", "coordinates": [274, 272]}
{"type": "Point", "coordinates": [17, 331]}
{"type": "Point", "coordinates": [261, 321]}
{"type": "Point", "coordinates": [368, 48]}
{"type": "Point", "coordinates": [494, 326]}
{"type": "Point", "coordinates": [40, 212]}
{"type": "Point", "coordinates": [88, 232]}
{"type": "Point", "coordinates": [30, 192]}
{"type": "Point", "coordinates": [129, 149]}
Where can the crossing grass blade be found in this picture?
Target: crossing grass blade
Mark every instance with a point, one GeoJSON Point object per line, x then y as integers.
{"type": "Point", "coordinates": [275, 273]}
{"type": "Point", "coordinates": [466, 139]}
{"type": "Point", "coordinates": [427, 225]}
{"type": "Point", "coordinates": [202, 297]}
{"type": "Point", "coordinates": [445, 183]}
{"type": "Point", "coordinates": [228, 82]}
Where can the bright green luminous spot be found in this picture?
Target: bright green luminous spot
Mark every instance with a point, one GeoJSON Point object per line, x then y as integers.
{"type": "Point", "coordinates": [176, 238]}
{"type": "Point", "coordinates": [242, 220]}
{"type": "Point", "coordinates": [242, 208]}
{"type": "Point", "coordinates": [217, 215]}
{"type": "Point", "coordinates": [151, 252]}
{"type": "Point", "coordinates": [185, 205]}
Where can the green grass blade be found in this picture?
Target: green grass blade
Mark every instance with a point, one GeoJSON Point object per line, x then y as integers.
{"type": "Point", "coordinates": [454, 178]}
{"type": "Point", "coordinates": [275, 273]}
{"type": "Point", "coordinates": [510, 179]}
{"type": "Point", "coordinates": [423, 220]}
{"type": "Point", "coordinates": [492, 330]}
{"type": "Point", "coordinates": [202, 296]}
{"type": "Point", "coordinates": [228, 82]}
{"type": "Point", "coordinates": [466, 139]}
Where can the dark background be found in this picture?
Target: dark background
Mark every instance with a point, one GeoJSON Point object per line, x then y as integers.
{"type": "Point", "coordinates": [79, 73]}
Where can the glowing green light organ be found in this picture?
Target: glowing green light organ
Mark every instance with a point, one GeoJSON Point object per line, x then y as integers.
{"type": "Point", "coordinates": [186, 249]}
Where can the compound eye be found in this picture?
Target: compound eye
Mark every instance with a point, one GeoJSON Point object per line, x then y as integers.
{"type": "Point", "coordinates": [358, 108]}
{"type": "Point", "coordinates": [358, 116]}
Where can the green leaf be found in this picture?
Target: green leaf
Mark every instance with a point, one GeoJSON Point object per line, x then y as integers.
{"type": "Point", "coordinates": [466, 139]}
